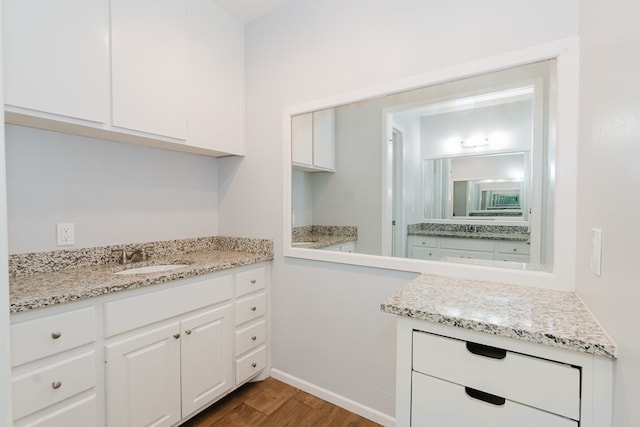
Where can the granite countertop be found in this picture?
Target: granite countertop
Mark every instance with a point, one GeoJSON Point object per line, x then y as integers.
{"type": "Point", "coordinates": [322, 236]}
{"type": "Point", "coordinates": [542, 316]}
{"type": "Point", "coordinates": [514, 237]}
{"type": "Point", "coordinates": [42, 279]}
{"type": "Point", "coordinates": [321, 241]}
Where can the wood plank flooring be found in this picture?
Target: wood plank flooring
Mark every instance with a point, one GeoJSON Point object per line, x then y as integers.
{"type": "Point", "coordinates": [272, 403]}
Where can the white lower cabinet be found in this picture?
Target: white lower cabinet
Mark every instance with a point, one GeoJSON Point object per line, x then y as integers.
{"type": "Point", "coordinates": [435, 248]}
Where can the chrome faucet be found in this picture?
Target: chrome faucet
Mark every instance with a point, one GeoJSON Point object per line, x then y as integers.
{"type": "Point", "coordinates": [137, 255]}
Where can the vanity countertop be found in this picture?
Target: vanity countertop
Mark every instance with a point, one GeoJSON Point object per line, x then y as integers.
{"type": "Point", "coordinates": [43, 279]}
{"type": "Point", "coordinates": [542, 316]}
{"type": "Point", "coordinates": [322, 236]}
{"type": "Point", "coordinates": [513, 237]}
{"type": "Point", "coordinates": [322, 241]}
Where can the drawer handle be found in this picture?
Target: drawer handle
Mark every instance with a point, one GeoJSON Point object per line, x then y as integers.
{"type": "Point", "coordinates": [485, 397]}
{"type": "Point", "coordinates": [253, 281]}
{"type": "Point", "coordinates": [253, 338]}
{"type": "Point", "coordinates": [56, 334]}
{"type": "Point", "coordinates": [254, 364]}
{"type": "Point", "coordinates": [56, 385]}
{"type": "Point", "coordinates": [254, 308]}
{"type": "Point", "coordinates": [486, 351]}
{"type": "Point", "coordinates": [176, 336]}
{"type": "Point", "coordinates": [188, 332]}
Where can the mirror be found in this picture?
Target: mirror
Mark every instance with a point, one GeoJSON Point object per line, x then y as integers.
{"type": "Point", "coordinates": [461, 171]}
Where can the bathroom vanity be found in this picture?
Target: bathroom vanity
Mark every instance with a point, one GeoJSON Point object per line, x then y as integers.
{"type": "Point", "coordinates": [489, 354]}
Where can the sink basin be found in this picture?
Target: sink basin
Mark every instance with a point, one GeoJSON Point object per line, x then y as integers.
{"type": "Point", "coordinates": [152, 269]}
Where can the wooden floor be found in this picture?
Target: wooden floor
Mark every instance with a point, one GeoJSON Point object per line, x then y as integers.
{"type": "Point", "coordinates": [274, 403]}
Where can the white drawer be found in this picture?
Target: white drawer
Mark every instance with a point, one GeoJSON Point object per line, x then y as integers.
{"type": "Point", "coordinates": [552, 386]}
{"type": "Point", "coordinates": [467, 244]}
{"type": "Point", "coordinates": [250, 337]}
{"type": "Point", "coordinates": [513, 248]}
{"type": "Point", "coordinates": [454, 253]}
{"type": "Point", "coordinates": [424, 253]}
{"type": "Point", "coordinates": [250, 365]}
{"type": "Point", "coordinates": [430, 242]}
{"type": "Point", "coordinates": [513, 257]}
{"type": "Point", "coordinates": [467, 407]}
{"type": "Point", "coordinates": [78, 414]}
{"type": "Point", "coordinates": [250, 308]}
{"type": "Point", "coordinates": [250, 281]}
{"type": "Point", "coordinates": [38, 338]}
{"type": "Point", "coordinates": [133, 312]}
{"type": "Point", "coordinates": [45, 386]}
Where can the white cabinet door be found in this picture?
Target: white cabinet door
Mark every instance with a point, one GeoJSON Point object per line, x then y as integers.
{"type": "Point", "coordinates": [324, 139]}
{"type": "Point", "coordinates": [143, 379]}
{"type": "Point", "coordinates": [56, 57]}
{"type": "Point", "coordinates": [206, 358]}
{"type": "Point", "coordinates": [148, 58]}
{"type": "Point", "coordinates": [215, 78]}
{"type": "Point", "coordinates": [302, 139]}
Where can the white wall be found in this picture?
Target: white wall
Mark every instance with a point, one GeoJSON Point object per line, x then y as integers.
{"type": "Point", "coordinates": [114, 193]}
{"type": "Point", "coordinates": [608, 196]}
{"type": "Point", "coordinates": [327, 329]}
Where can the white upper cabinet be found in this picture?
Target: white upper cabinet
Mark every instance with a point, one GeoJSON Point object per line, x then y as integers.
{"type": "Point", "coordinates": [160, 73]}
{"type": "Point", "coordinates": [313, 141]}
{"type": "Point", "coordinates": [56, 57]}
{"type": "Point", "coordinates": [148, 66]}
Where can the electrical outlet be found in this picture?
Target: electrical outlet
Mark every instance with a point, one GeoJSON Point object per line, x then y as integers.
{"type": "Point", "coordinates": [65, 235]}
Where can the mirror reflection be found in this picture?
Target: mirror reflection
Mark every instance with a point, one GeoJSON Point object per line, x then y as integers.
{"type": "Point", "coordinates": [457, 172]}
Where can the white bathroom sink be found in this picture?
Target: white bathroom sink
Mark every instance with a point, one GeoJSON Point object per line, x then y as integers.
{"type": "Point", "coordinates": [152, 269]}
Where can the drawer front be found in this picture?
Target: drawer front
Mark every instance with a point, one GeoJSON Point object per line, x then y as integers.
{"type": "Point", "coordinates": [78, 414]}
{"type": "Point", "coordinates": [251, 308]}
{"type": "Point", "coordinates": [250, 365]}
{"type": "Point", "coordinates": [250, 281]}
{"type": "Point", "coordinates": [554, 387]}
{"type": "Point", "coordinates": [465, 407]}
{"type": "Point", "coordinates": [424, 253]}
{"type": "Point", "coordinates": [467, 244]}
{"type": "Point", "coordinates": [250, 337]}
{"type": "Point", "coordinates": [42, 387]}
{"type": "Point", "coordinates": [513, 248]}
{"type": "Point", "coordinates": [126, 314]}
{"type": "Point", "coordinates": [49, 335]}
{"type": "Point", "coordinates": [513, 257]}
{"type": "Point", "coordinates": [454, 253]}
{"type": "Point", "coordinates": [430, 242]}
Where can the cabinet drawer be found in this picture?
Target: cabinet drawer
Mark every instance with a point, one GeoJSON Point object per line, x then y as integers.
{"type": "Point", "coordinates": [551, 386]}
{"type": "Point", "coordinates": [467, 244]}
{"type": "Point", "coordinates": [513, 248]}
{"type": "Point", "coordinates": [126, 314]}
{"type": "Point", "coordinates": [250, 281]}
{"type": "Point", "coordinates": [513, 257]}
{"type": "Point", "coordinates": [251, 364]}
{"type": "Point", "coordinates": [250, 337]}
{"type": "Point", "coordinates": [467, 408]}
{"type": "Point", "coordinates": [78, 414]}
{"type": "Point", "coordinates": [250, 308]}
{"type": "Point", "coordinates": [454, 253]}
{"type": "Point", "coordinates": [38, 338]}
{"type": "Point", "coordinates": [42, 387]}
{"type": "Point", "coordinates": [424, 253]}
{"type": "Point", "coordinates": [430, 242]}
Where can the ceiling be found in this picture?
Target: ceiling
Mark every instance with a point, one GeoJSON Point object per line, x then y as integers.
{"type": "Point", "coordinates": [248, 10]}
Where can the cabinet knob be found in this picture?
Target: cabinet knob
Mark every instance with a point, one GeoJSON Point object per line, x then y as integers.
{"type": "Point", "coordinates": [188, 332]}
{"type": "Point", "coordinates": [176, 336]}
{"type": "Point", "coordinates": [254, 308]}
{"type": "Point", "coordinates": [253, 282]}
{"type": "Point", "coordinates": [515, 250]}
{"type": "Point", "coordinates": [253, 338]}
{"type": "Point", "coordinates": [56, 334]}
{"type": "Point", "coordinates": [254, 364]}
{"type": "Point", "coordinates": [56, 385]}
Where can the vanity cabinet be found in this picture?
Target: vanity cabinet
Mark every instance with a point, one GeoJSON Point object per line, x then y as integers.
{"type": "Point", "coordinates": [54, 370]}
{"type": "Point", "coordinates": [349, 247]}
{"type": "Point", "coordinates": [313, 141]}
{"type": "Point", "coordinates": [161, 74]}
{"type": "Point", "coordinates": [435, 248]}
{"type": "Point", "coordinates": [453, 376]}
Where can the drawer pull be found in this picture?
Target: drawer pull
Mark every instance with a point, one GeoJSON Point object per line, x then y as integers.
{"type": "Point", "coordinates": [176, 336]}
{"type": "Point", "coordinates": [56, 385]}
{"type": "Point", "coordinates": [254, 364]}
{"type": "Point", "coordinates": [253, 338]}
{"type": "Point", "coordinates": [188, 332]}
{"type": "Point", "coordinates": [486, 351]}
{"type": "Point", "coordinates": [485, 397]}
{"type": "Point", "coordinates": [56, 334]}
{"type": "Point", "coordinates": [254, 308]}
{"type": "Point", "coordinates": [253, 282]}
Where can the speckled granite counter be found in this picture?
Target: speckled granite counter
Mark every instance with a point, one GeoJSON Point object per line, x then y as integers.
{"type": "Point", "coordinates": [489, 232]}
{"type": "Point", "coordinates": [322, 236]}
{"type": "Point", "coordinates": [543, 316]}
{"type": "Point", "coordinates": [41, 279]}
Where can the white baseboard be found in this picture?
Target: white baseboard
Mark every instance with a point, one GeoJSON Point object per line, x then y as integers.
{"type": "Point", "coordinates": [336, 399]}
